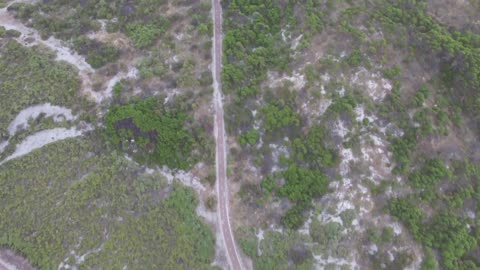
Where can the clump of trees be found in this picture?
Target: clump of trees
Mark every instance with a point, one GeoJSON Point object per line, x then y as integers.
{"type": "Point", "coordinates": [151, 132]}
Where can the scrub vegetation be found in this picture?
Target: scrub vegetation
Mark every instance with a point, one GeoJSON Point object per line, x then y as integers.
{"type": "Point", "coordinates": [300, 107]}
{"type": "Point", "coordinates": [74, 203]}
{"type": "Point", "coordinates": [31, 76]}
{"type": "Point", "coordinates": [352, 134]}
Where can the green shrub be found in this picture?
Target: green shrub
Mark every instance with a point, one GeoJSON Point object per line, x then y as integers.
{"type": "Point", "coordinates": [143, 36]}
{"type": "Point", "coordinates": [420, 97]}
{"type": "Point", "coordinates": [250, 137]}
{"type": "Point", "coordinates": [3, 32]}
{"type": "Point", "coordinates": [13, 33]}
{"type": "Point", "coordinates": [391, 73]}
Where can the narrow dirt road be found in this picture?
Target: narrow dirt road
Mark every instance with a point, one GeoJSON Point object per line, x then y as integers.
{"type": "Point", "coordinates": [223, 204]}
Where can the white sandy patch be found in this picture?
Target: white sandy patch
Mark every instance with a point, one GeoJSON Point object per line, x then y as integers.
{"type": "Point", "coordinates": [377, 158]}
{"type": "Point", "coordinates": [260, 237]}
{"type": "Point", "coordinates": [325, 78]}
{"type": "Point", "coordinates": [321, 262]}
{"type": "Point", "coordinates": [117, 39]}
{"type": "Point", "coordinates": [296, 42]}
{"type": "Point", "coordinates": [314, 108]}
{"type": "Point", "coordinates": [4, 265]}
{"type": "Point", "coordinates": [372, 249]}
{"type": "Point", "coordinates": [375, 86]}
{"type": "Point", "coordinates": [277, 152]}
{"type": "Point", "coordinates": [43, 138]}
{"type": "Point", "coordinates": [59, 114]}
{"type": "Point", "coordinates": [171, 94]}
{"type": "Point", "coordinates": [80, 259]}
{"type": "Point", "coordinates": [132, 73]}
{"type": "Point", "coordinates": [340, 129]}
{"type": "Point", "coordinates": [325, 218]}
{"type": "Point", "coordinates": [3, 145]}
{"type": "Point", "coordinates": [360, 112]}
{"type": "Point", "coordinates": [185, 177]}
{"type": "Point", "coordinates": [100, 96]}
{"type": "Point", "coordinates": [103, 31]}
{"type": "Point", "coordinates": [286, 35]}
{"type": "Point", "coordinates": [323, 106]}
{"type": "Point", "coordinates": [298, 80]}
{"type": "Point", "coordinates": [397, 228]}
{"type": "Point", "coordinates": [305, 229]}
{"type": "Point", "coordinates": [371, 161]}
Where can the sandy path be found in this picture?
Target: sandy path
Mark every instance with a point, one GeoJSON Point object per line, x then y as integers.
{"type": "Point", "coordinates": [30, 37]}
{"type": "Point", "coordinates": [221, 153]}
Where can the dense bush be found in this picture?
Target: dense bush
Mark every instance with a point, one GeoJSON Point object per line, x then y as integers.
{"type": "Point", "coordinates": [402, 148]}
{"type": "Point", "coordinates": [97, 54]}
{"type": "Point", "coordinates": [409, 214]}
{"type": "Point", "coordinates": [302, 185]}
{"type": "Point", "coordinates": [432, 172]}
{"type": "Point", "coordinates": [160, 135]}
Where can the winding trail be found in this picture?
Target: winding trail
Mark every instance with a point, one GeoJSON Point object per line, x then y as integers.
{"type": "Point", "coordinates": [223, 204]}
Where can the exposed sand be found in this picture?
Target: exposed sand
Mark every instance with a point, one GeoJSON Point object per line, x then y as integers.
{"type": "Point", "coordinates": [21, 121]}
{"type": "Point", "coordinates": [43, 138]}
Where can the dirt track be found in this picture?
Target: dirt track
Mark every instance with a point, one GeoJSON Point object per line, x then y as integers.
{"type": "Point", "coordinates": [221, 162]}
